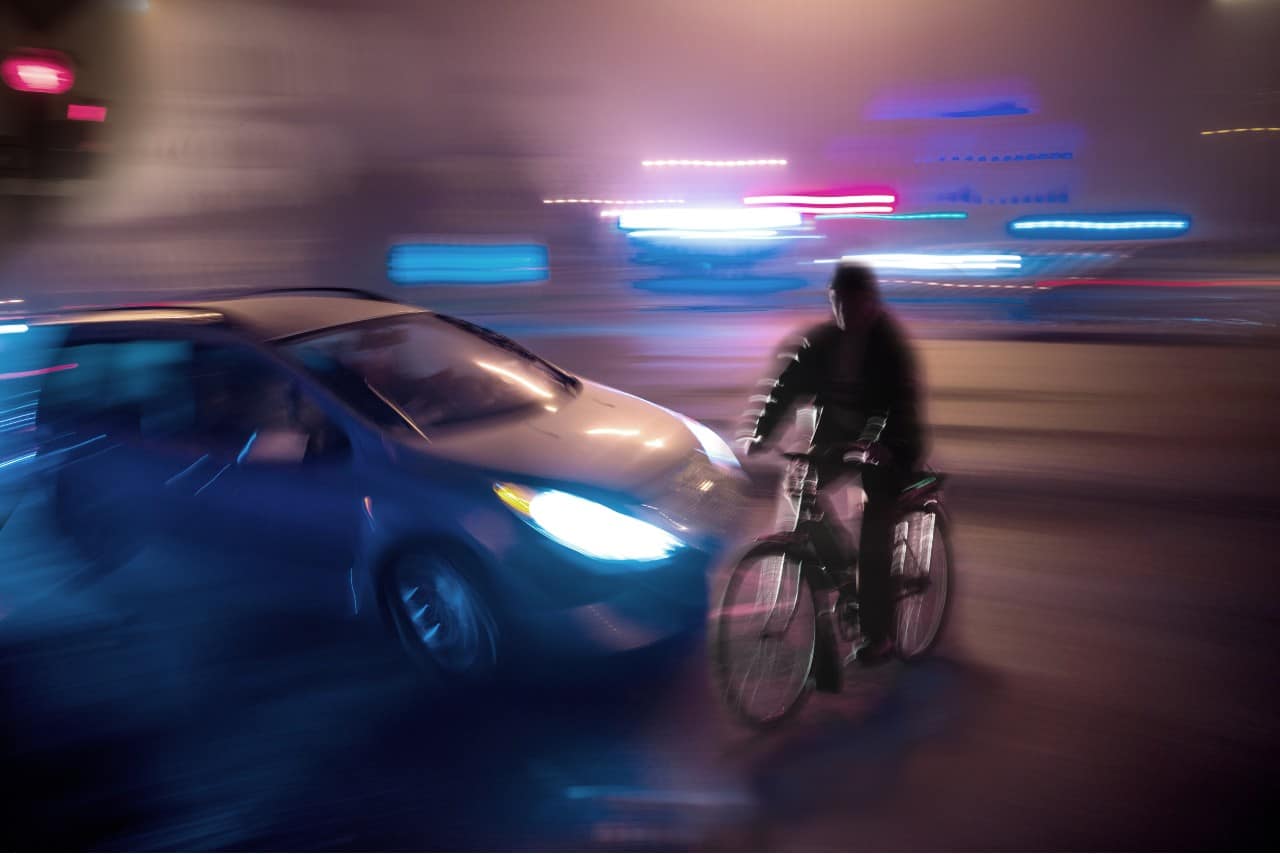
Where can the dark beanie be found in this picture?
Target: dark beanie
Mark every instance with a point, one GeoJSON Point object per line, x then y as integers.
{"type": "Point", "coordinates": [853, 280]}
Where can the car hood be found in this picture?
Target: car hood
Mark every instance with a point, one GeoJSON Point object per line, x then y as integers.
{"type": "Point", "coordinates": [609, 442]}
{"type": "Point", "coordinates": [601, 437]}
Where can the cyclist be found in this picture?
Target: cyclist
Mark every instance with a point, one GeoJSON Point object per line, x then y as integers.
{"type": "Point", "coordinates": [860, 372]}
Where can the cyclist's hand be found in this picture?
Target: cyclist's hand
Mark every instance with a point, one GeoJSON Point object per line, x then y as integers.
{"type": "Point", "coordinates": [866, 453]}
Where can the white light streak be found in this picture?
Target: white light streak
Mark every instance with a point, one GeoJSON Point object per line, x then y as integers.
{"type": "Point", "coordinates": [613, 201]}
{"type": "Point", "coordinates": [918, 261]}
{"type": "Point", "coordinates": [710, 219]}
{"type": "Point", "coordinates": [716, 164]}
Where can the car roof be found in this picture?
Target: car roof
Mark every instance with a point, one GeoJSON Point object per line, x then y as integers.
{"type": "Point", "coordinates": [284, 316]}
{"type": "Point", "coordinates": [266, 317]}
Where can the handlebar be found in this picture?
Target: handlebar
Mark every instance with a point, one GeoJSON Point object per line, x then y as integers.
{"type": "Point", "coordinates": [858, 458]}
{"type": "Point", "coordinates": [846, 455]}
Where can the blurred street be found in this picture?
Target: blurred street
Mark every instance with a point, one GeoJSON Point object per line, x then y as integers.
{"type": "Point", "coordinates": [1107, 673]}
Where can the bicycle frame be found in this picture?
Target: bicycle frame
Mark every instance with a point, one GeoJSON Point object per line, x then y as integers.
{"type": "Point", "coordinates": [826, 561]}
{"type": "Point", "coordinates": [811, 537]}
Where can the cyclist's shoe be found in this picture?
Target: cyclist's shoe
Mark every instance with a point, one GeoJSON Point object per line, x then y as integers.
{"type": "Point", "coordinates": [870, 653]}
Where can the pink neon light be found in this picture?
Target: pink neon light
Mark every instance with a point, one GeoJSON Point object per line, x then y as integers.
{"type": "Point", "coordinates": [46, 75]}
{"type": "Point", "coordinates": [824, 209]}
{"type": "Point", "coordinates": [823, 199]}
{"type": "Point", "coordinates": [86, 113]}
{"type": "Point", "coordinates": [39, 372]}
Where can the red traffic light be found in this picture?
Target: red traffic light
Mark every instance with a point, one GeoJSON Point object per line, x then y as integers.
{"type": "Point", "coordinates": [43, 72]}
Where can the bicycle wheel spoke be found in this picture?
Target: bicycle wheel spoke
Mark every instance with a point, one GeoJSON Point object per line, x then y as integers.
{"type": "Point", "coordinates": [901, 549]}
{"type": "Point", "coordinates": [787, 599]}
{"type": "Point", "coordinates": [746, 674]}
{"type": "Point", "coordinates": [923, 595]}
{"type": "Point", "coordinates": [766, 629]}
{"type": "Point", "coordinates": [768, 669]}
{"type": "Point", "coordinates": [770, 585]}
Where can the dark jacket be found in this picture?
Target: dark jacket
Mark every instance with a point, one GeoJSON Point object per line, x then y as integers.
{"type": "Point", "coordinates": [865, 383]}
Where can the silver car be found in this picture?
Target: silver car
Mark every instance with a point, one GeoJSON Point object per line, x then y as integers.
{"type": "Point", "coordinates": [365, 458]}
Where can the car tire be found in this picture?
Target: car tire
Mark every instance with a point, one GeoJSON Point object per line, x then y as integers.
{"type": "Point", "coordinates": [442, 618]}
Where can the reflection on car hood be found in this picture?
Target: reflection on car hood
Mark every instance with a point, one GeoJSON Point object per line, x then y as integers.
{"type": "Point", "coordinates": [601, 438]}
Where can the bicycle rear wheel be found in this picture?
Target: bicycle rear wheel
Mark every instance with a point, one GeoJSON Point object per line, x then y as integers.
{"type": "Point", "coordinates": [922, 582]}
{"type": "Point", "coordinates": [764, 636]}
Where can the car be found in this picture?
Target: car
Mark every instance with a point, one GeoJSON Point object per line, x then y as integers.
{"type": "Point", "coordinates": [341, 453]}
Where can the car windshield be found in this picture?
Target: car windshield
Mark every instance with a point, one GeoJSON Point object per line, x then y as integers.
{"type": "Point", "coordinates": [424, 371]}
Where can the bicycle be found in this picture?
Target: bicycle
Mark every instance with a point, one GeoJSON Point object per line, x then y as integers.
{"type": "Point", "coordinates": [800, 586]}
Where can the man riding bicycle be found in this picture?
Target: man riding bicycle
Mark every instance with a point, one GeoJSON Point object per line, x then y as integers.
{"type": "Point", "coordinates": [860, 372]}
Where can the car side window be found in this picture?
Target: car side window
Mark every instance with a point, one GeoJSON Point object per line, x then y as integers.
{"type": "Point", "coordinates": [203, 397]}
{"type": "Point", "coordinates": [128, 389]}
{"type": "Point", "coordinates": [258, 412]}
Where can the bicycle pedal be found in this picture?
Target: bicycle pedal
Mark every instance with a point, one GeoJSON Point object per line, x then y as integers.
{"type": "Point", "coordinates": [870, 655]}
{"type": "Point", "coordinates": [847, 620]}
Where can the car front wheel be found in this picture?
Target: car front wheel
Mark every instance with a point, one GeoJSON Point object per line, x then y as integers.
{"type": "Point", "coordinates": [442, 618]}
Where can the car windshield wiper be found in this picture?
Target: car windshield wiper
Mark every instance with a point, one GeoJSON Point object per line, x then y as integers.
{"type": "Point", "coordinates": [566, 379]}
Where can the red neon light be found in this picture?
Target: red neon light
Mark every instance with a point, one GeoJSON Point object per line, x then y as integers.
{"type": "Point", "coordinates": [868, 199]}
{"type": "Point", "coordinates": [832, 199]}
{"type": "Point", "coordinates": [86, 113]}
{"type": "Point", "coordinates": [39, 372]}
{"type": "Point", "coordinates": [44, 73]}
{"type": "Point", "coordinates": [837, 209]}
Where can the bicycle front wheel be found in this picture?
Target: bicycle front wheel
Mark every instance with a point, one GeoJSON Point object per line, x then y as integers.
{"type": "Point", "coordinates": [922, 581]}
{"type": "Point", "coordinates": [763, 636]}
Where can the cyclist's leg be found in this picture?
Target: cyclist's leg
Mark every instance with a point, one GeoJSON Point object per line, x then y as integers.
{"type": "Point", "coordinates": [875, 606]}
{"type": "Point", "coordinates": [840, 500]}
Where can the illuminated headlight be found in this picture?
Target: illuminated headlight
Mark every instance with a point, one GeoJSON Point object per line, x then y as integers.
{"type": "Point", "coordinates": [717, 449]}
{"type": "Point", "coordinates": [586, 527]}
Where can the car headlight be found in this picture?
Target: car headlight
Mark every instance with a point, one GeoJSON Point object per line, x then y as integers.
{"type": "Point", "coordinates": [587, 527]}
{"type": "Point", "coordinates": [717, 449]}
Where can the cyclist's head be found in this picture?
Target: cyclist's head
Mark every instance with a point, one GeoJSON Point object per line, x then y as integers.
{"type": "Point", "coordinates": [855, 298]}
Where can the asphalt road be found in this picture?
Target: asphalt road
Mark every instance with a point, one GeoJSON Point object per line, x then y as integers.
{"type": "Point", "coordinates": [1107, 680]}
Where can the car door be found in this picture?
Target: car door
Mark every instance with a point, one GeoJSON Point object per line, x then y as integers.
{"type": "Point", "coordinates": [280, 508]}
{"type": "Point", "coordinates": [116, 419]}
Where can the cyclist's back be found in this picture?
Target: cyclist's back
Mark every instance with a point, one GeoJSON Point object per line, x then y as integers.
{"type": "Point", "coordinates": [858, 368]}
{"type": "Point", "coordinates": [853, 376]}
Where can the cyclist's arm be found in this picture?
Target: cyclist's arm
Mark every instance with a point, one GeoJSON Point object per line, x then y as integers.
{"type": "Point", "coordinates": [874, 428]}
{"type": "Point", "coordinates": [776, 395]}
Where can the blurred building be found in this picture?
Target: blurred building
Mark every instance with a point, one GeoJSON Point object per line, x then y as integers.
{"type": "Point", "coordinates": [290, 142]}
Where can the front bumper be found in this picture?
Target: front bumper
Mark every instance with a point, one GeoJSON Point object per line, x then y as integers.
{"type": "Point", "coordinates": [558, 602]}
{"type": "Point", "coordinates": [607, 614]}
